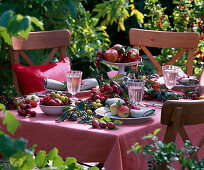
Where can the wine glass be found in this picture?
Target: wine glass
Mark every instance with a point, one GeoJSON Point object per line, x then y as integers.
{"type": "Point", "coordinates": [135, 90]}
{"type": "Point", "coordinates": [73, 82]}
{"type": "Point", "coordinates": [170, 74]}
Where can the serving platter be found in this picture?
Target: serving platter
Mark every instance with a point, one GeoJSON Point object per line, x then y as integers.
{"type": "Point", "coordinates": [105, 111]}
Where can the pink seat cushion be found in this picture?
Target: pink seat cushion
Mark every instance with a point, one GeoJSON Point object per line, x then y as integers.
{"type": "Point", "coordinates": [31, 77]}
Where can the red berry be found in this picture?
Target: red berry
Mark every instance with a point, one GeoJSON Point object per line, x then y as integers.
{"type": "Point", "coordinates": [23, 106]}
{"type": "Point", "coordinates": [106, 86]}
{"type": "Point", "coordinates": [94, 90]}
{"type": "Point", "coordinates": [115, 88]}
{"type": "Point", "coordinates": [110, 90]}
{"type": "Point", "coordinates": [121, 91]}
{"type": "Point", "coordinates": [33, 113]}
{"type": "Point", "coordinates": [99, 52]}
{"type": "Point", "coordinates": [28, 106]}
{"type": "Point", "coordinates": [102, 89]}
{"type": "Point", "coordinates": [21, 112]}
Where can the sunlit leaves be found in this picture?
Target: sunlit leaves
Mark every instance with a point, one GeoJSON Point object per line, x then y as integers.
{"type": "Point", "coordinates": [15, 25]}
{"type": "Point", "coordinates": [12, 123]}
{"type": "Point", "coordinates": [116, 12]}
{"type": "Point", "coordinates": [41, 159]}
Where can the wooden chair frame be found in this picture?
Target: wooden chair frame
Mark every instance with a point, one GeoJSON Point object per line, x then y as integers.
{"type": "Point", "coordinates": [187, 41]}
{"type": "Point", "coordinates": [57, 40]}
{"type": "Point", "coordinates": [175, 114]}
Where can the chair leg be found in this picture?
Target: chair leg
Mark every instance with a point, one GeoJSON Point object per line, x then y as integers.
{"type": "Point", "coordinates": [171, 131]}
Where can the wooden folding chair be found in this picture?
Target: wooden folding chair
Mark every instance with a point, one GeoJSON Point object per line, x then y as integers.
{"type": "Point", "coordinates": [58, 40]}
{"type": "Point", "coordinates": [176, 113]}
{"type": "Point", "coordinates": [187, 41]}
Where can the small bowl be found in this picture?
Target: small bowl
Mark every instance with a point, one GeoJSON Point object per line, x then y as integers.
{"type": "Point", "coordinates": [52, 110]}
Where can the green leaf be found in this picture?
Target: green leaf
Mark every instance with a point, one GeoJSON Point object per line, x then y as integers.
{"type": "Point", "coordinates": [29, 163]}
{"type": "Point", "coordinates": [52, 154]}
{"type": "Point", "coordinates": [3, 108]}
{"type": "Point", "coordinates": [118, 76]}
{"type": "Point", "coordinates": [40, 159]}
{"type": "Point", "coordinates": [17, 159]}
{"type": "Point", "coordinates": [25, 23]}
{"type": "Point", "coordinates": [118, 122]}
{"type": "Point", "coordinates": [71, 6]}
{"type": "Point", "coordinates": [58, 161]}
{"type": "Point", "coordinates": [80, 106]}
{"type": "Point", "coordinates": [5, 18]}
{"type": "Point", "coordinates": [11, 122]}
{"type": "Point", "coordinates": [70, 160]}
{"type": "Point", "coordinates": [37, 22]}
{"type": "Point", "coordinates": [63, 117]}
{"type": "Point", "coordinates": [157, 131]}
{"type": "Point", "coordinates": [6, 36]}
{"type": "Point", "coordinates": [106, 119]}
{"type": "Point", "coordinates": [8, 146]}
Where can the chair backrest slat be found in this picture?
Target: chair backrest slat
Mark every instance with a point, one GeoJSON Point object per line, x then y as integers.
{"type": "Point", "coordinates": [193, 111]}
{"type": "Point", "coordinates": [42, 40]}
{"type": "Point", "coordinates": [163, 39]}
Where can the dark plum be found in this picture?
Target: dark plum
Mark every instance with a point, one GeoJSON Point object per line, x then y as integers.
{"type": "Point", "coordinates": [110, 125]}
{"type": "Point", "coordinates": [74, 117]}
{"type": "Point", "coordinates": [102, 125]}
{"type": "Point", "coordinates": [95, 124]}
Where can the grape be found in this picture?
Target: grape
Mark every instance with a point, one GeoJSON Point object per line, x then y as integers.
{"type": "Point", "coordinates": [74, 117]}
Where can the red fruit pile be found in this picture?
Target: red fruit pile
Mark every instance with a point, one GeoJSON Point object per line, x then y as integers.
{"type": "Point", "coordinates": [55, 99]}
{"type": "Point", "coordinates": [118, 54]}
{"type": "Point", "coordinates": [107, 91]}
{"type": "Point", "coordinates": [7, 101]}
{"type": "Point", "coordinates": [96, 124]}
{"type": "Point", "coordinates": [25, 110]}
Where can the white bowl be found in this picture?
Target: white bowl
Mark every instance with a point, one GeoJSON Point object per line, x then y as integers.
{"type": "Point", "coordinates": [52, 110]}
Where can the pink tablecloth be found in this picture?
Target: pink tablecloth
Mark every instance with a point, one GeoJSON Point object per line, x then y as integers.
{"type": "Point", "coordinates": [94, 145]}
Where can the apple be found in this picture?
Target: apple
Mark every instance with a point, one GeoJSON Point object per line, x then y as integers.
{"type": "Point", "coordinates": [32, 99]}
{"type": "Point", "coordinates": [133, 55]}
{"type": "Point", "coordinates": [119, 48]}
{"type": "Point", "coordinates": [111, 55]}
{"type": "Point", "coordinates": [114, 109]}
{"type": "Point", "coordinates": [123, 111]}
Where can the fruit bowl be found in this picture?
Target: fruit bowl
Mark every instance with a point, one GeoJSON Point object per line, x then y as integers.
{"type": "Point", "coordinates": [52, 110]}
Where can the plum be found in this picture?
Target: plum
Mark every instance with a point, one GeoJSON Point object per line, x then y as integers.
{"type": "Point", "coordinates": [102, 124]}
{"type": "Point", "coordinates": [95, 124]}
{"type": "Point", "coordinates": [110, 125]}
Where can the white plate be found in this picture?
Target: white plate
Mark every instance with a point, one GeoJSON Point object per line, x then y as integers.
{"type": "Point", "coordinates": [104, 111]}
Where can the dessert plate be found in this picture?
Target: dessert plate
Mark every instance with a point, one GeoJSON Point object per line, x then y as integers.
{"type": "Point", "coordinates": [104, 111]}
